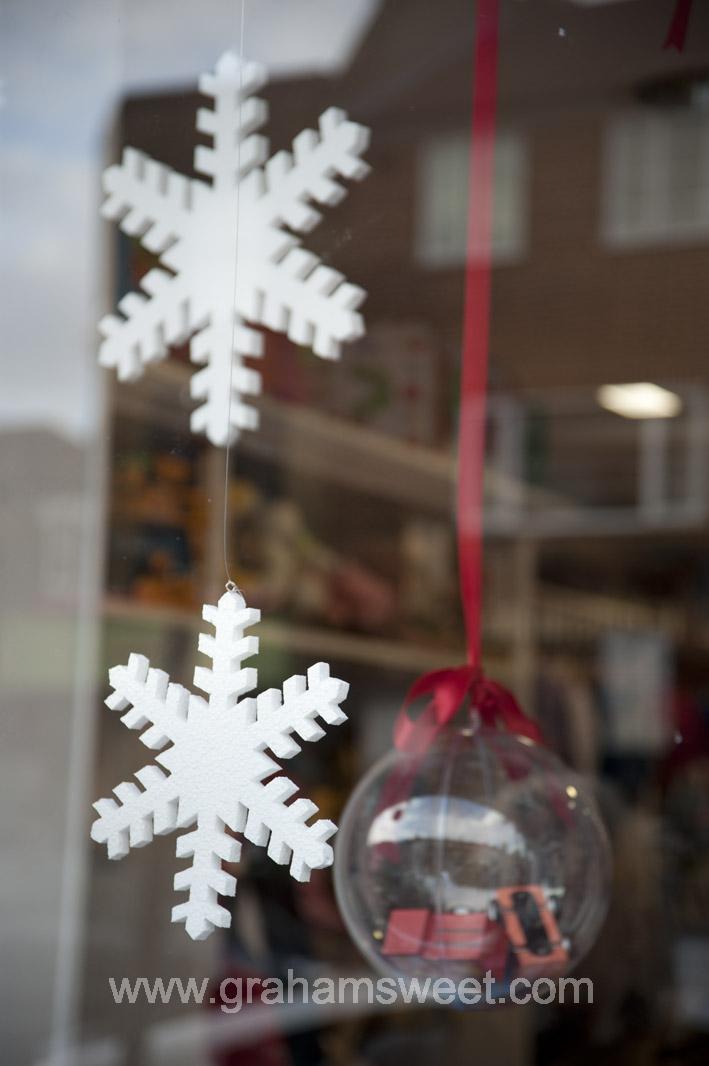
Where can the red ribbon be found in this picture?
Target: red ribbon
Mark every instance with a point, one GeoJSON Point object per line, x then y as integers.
{"type": "Point", "coordinates": [450, 689]}
{"type": "Point", "coordinates": [476, 321]}
{"type": "Point", "coordinates": [678, 27]}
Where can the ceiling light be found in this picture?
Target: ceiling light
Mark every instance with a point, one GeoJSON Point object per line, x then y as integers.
{"type": "Point", "coordinates": [639, 399]}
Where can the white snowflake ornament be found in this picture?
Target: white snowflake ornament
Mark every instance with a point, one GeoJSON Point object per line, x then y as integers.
{"type": "Point", "coordinates": [217, 763]}
{"type": "Point", "coordinates": [192, 226]}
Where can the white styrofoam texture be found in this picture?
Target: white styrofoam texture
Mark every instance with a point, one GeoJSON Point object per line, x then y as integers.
{"type": "Point", "coordinates": [216, 763]}
{"type": "Point", "coordinates": [192, 226]}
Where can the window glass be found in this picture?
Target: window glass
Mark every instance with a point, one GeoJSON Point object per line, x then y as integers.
{"type": "Point", "coordinates": [337, 513]}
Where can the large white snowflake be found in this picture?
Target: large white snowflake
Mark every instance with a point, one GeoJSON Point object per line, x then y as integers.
{"type": "Point", "coordinates": [192, 226]}
{"type": "Point", "coordinates": [217, 763]}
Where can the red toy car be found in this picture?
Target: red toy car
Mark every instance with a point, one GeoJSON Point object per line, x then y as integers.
{"type": "Point", "coordinates": [526, 914]}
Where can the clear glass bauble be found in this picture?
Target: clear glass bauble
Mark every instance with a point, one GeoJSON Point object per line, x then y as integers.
{"type": "Point", "coordinates": [484, 854]}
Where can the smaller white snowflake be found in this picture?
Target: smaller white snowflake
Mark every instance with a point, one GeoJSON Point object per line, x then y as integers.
{"type": "Point", "coordinates": [217, 763]}
{"type": "Point", "coordinates": [216, 292]}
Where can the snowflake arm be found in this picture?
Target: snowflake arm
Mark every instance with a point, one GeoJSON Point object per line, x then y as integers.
{"type": "Point", "coordinates": [148, 699]}
{"type": "Point", "coordinates": [299, 296]}
{"type": "Point", "coordinates": [152, 202]}
{"type": "Point", "coordinates": [236, 149]}
{"type": "Point", "coordinates": [226, 679]}
{"type": "Point", "coordinates": [281, 826]}
{"type": "Point", "coordinates": [138, 814]}
{"type": "Point", "coordinates": [148, 326]}
{"type": "Point", "coordinates": [221, 415]}
{"type": "Point", "coordinates": [291, 181]}
{"type": "Point", "coordinates": [147, 696]}
{"type": "Point", "coordinates": [279, 716]}
{"type": "Point", "coordinates": [148, 200]}
{"type": "Point", "coordinates": [207, 846]}
{"type": "Point", "coordinates": [310, 302]}
{"type": "Point", "coordinates": [275, 717]}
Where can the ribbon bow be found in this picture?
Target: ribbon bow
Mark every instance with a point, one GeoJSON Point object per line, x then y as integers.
{"type": "Point", "coordinates": [449, 690]}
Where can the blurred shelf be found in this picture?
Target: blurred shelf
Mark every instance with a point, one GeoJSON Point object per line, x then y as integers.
{"type": "Point", "coordinates": [300, 639]}
{"type": "Point", "coordinates": [567, 615]}
{"type": "Point", "coordinates": [316, 444]}
{"type": "Point", "coordinates": [564, 617]}
{"type": "Point", "coordinates": [357, 458]}
{"type": "Point", "coordinates": [351, 456]}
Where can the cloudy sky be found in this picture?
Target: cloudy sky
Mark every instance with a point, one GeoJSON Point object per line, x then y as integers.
{"type": "Point", "coordinates": [64, 64]}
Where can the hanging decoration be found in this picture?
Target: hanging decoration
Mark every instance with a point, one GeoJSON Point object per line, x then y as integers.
{"type": "Point", "coordinates": [470, 847]}
{"type": "Point", "coordinates": [481, 854]}
{"type": "Point", "coordinates": [216, 773]}
{"type": "Point", "coordinates": [187, 223]}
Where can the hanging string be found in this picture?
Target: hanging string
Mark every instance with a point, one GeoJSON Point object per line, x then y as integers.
{"type": "Point", "coordinates": [231, 585]}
